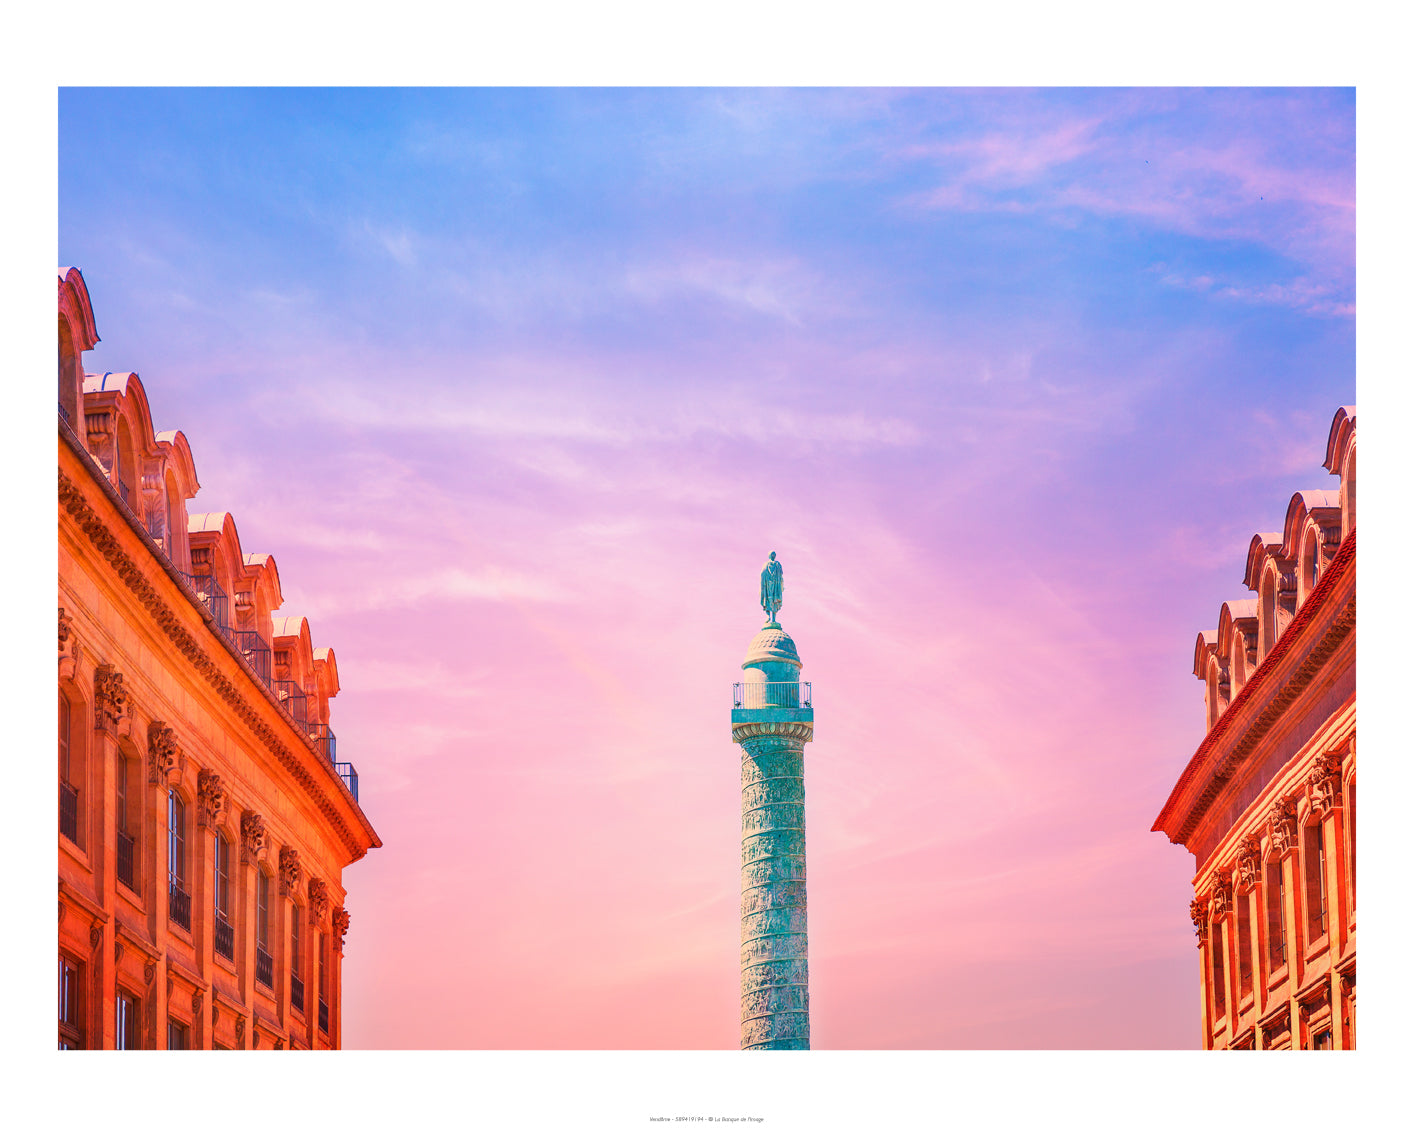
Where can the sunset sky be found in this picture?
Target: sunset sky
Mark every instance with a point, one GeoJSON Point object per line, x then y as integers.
{"type": "Point", "coordinates": [520, 387]}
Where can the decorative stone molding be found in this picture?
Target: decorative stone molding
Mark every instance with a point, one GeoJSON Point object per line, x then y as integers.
{"type": "Point", "coordinates": [289, 872]}
{"type": "Point", "coordinates": [279, 1045]}
{"type": "Point", "coordinates": [197, 997]}
{"type": "Point", "coordinates": [95, 935]}
{"type": "Point", "coordinates": [1348, 985]}
{"type": "Point", "coordinates": [341, 927]}
{"type": "Point", "coordinates": [1326, 783]}
{"type": "Point", "coordinates": [164, 756]}
{"type": "Point", "coordinates": [69, 651]}
{"type": "Point", "coordinates": [240, 1031]}
{"type": "Point", "coordinates": [1200, 919]}
{"type": "Point", "coordinates": [793, 730]}
{"type": "Point", "coordinates": [253, 836]}
{"type": "Point", "coordinates": [216, 1013]}
{"type": "Point", "coordinates": [117, 948]}
{"type": "Point", "coordinates": [99, 427]}
{"type": "Point", "coordinates": [1247, 866]}
{"type": "Point", "coordinates": [319, 899]}
{"type": "Point", "coordinates": [1284, 828]}
{"type": "Point", "coordinates": [211, 799]}
{"type": "Point", "coordinates": [1221, 893]}
{"type": "Point", "coordinates": [149, 972]}
{"type": "Point", "coordinates": [108, 547]}
{"type": "Point", "coordinates": [62, 909]}
{"type": "Point", "coordinates": [110, 701]}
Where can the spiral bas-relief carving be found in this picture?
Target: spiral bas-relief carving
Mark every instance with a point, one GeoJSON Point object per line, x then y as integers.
{"type": "Point", "coordinates": [773, 957]}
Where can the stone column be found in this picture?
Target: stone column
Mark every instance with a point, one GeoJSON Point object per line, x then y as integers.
{"type": "Point", "coordinates": [771, 725]}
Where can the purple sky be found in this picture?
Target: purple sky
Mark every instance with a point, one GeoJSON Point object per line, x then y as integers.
{"type": "Point", "coordinates": [520, 387]}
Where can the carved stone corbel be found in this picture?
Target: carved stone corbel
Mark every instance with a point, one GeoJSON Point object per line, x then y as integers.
{"type": "Point", "coordinates": [319, 899]}
{"type": "Point", "coordinates": [289, 872]}
{"type": "Point", "coordinates": [163, 753]}
{"type": "Point", "coordinates": [69, 651]}
{"type": "Point", "coordinates": [110, 701]}
{"type": "Point", "coordinates": [253, 836]}
{"type": "Point", "coordinates": [1247, 866]}
{"type": "Point", "coordinates": [149, 972]}
{"type": "Point", "coordinates": [211, 799]}
{"type": "Point", "coordinates": [340, 921]}
{"type": "Point", "coordinates": [1221, 893]}
{"type": "Point", "coordinates": [95, 935]}
{"type": "Point", "coordinates": [216, 1013]}
{"type": "Point", "coordinates": [241, 1031]}
{"type": "Point", "coordinates": [197, 998]}
{"type": "Point", "coordinates": [1326, 783]}
{"type": "Point", "coordinates": [1283, 823]}
{"type": "Point", "coordinates": [1200, 918]}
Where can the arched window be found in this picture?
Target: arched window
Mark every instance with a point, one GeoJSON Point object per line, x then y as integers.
{"type": "Point", "coordinates": [125, 471]}
{"type": "Point", "coordinates": [1310, 563]}
{"type": "Point", "coordinates": [179, 901]}
{"type": "Point", "coordinates": [68, 392]}
{"type": "Point", "coordinates": [1350, 493]}
{"type": "Point", "coordinates": [223, 937]}
{"type": "Point", "coordinates": [1269, 612]}
{"type": "Point", "coordinates": [1217, 966]}
{"type": "Point", "coordinates": [70, 772]}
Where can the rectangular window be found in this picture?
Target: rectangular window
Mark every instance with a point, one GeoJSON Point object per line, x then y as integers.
{"type": "Point", "coordinates": [263, 909]}
{"type": "Point", "coordinates": [176, 1036]}
{"type": "Point", "coordinates": [221, 889]}
{"type": "Point", "coordinates": [1217, 966]}
{"type": "Point", "coordinates": [176, 842]}
{"type": "Point", "coordinates": [68, 791]}
{"type": "Point", "coordinates": [324, 962]}
{"type": "Point", "coordinates": [1315, 890]}
{"type": "Point", "coordinates": [65, 735]}
{"type": "Point", "coordinates": [1247, 984]}
{"type": "Point", "coordinates": [1274, 915]}
{"type": "Point", "coordinates": [127, 1024]}
{"type": "Point", "coordinates": [1323, 1041]}
{"type": "Point", "coordinates": [71, 1029]}
{"type": "Point", "coordinates": [297, 986]}
{"type": "Point", "coordinates": [126, 859]}
{"type": "Point", "coordinates": [1352, 846]}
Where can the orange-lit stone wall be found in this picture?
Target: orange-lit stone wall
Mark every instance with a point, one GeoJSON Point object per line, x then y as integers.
{"type": "Point", "coordinates": [1267, 804]}
{"type": "Point", "coordinates": [205, 819]}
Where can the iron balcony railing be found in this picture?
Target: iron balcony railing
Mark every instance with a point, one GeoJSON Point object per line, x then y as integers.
{"type": "Point", "coordinates": [125, 860]}
{"type": "Point", "coordinates": [256, 650]}
{"type": "Point", "coordinates": [224, 938]}
{"type": "Point", "coordinates": [179, 904]}
{"type": "Point", "coordinates": [297, 993]}
{"type": "Point", "coordinates": [324, 738]}
{"type": "Point", "coordinates": [125, 493]}
{"type": "Point", "coordinates": [772, 695]}
{"type": "Point", "coordinates": [211, 593]}
{"type": "Point", "coordinates": [292, 699]}
{"type": "Point", "coordinates": [69, 811]}
{"type": "Point", "coordinates": [350, 777]}
{"type": "Point", "coordinates": [264, 967]}
{"type": "Point", "coordinates": [324, 1016]}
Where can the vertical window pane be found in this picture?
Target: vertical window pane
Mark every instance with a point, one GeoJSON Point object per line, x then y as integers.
{"type": "Point", "coordinates": [65, 729]}
{"type": "Point", "coordinates": [263, 911]}
{"type": "Point", "coordinates": [1243, 927]}
{"type": "Point", "coordinates": [294, 939]}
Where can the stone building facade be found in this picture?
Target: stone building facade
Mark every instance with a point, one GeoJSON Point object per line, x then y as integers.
{"type": "Point", "coordinates": [204, 818]}
{"type": "Point", "coordinates": [1268, 802]}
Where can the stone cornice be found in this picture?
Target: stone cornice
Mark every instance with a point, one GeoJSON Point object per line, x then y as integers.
{"type": "Point", "coordinates": [798, 730]}
{"type": "Point", "coordinates": [108, 546]}
{"type": "Point", "coordinates": [1280, 679]}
